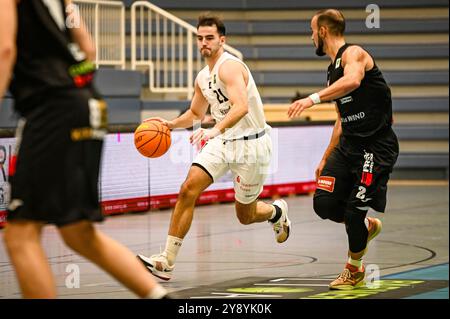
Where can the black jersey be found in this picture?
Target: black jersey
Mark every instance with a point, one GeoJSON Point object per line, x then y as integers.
{"type": "Point", "coordinates": [47, 58]}
{"type": "Point", "coordinates": [366, 111]}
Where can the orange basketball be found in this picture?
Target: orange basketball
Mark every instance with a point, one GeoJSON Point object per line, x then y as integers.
{"type": "Point", "coordinates": [152, 139]}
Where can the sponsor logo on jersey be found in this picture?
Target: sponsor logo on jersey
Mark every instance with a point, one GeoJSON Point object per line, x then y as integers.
{"type": "Point", "coordinates": [353, 117]}
{"type": "Point", "coordinates": [326, 183]}
{"type": "Point", "coordinates": [367, 172]}
{"type": "Point", "coordinates": [346, 99]}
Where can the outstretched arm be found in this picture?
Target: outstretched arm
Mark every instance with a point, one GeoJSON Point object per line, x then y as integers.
{"type": "Point", "coordinates": [8, 29]}
{"type": "Point", "coordinates": [355, 61]}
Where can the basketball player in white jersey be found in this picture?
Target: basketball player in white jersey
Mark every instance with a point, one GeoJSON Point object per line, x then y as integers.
{"type": "Point", "coordinates": [240, 141]}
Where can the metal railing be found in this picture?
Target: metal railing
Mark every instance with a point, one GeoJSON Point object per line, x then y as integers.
{"type": "Point", "coordinates": [165, 44]}
{"type": "Point", "coordinates": [105, 21]}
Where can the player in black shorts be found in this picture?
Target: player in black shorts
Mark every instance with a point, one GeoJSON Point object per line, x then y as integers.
{"type": "Point", "coordinates": [54, 176]}
{"type": "Point", "coordinates": [353, 174]}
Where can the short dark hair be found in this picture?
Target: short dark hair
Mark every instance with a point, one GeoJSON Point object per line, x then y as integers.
{"type": "Point", "coordinates": [208, 20]}
{"type": "Point", "coordinates": [333, 19]}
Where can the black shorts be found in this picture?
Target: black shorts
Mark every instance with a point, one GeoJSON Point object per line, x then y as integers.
{"type": "Point", "coordinates": [58, 160]}
{"type": "Point", "coordinates": [356, 174]}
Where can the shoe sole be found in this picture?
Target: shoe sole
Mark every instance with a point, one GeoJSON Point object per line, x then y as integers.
{"type": "Point", "coordinates": [288, 231]}
{"type": "Point", "coordinates": [347, 287]}
{"type": "Point", "coordinates": [153, 271]}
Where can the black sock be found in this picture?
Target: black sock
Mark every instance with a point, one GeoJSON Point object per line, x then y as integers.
{"type": "Point", "coordinates": [277, 214]}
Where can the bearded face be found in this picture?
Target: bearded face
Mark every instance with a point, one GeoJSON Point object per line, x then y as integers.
{"type": "Point", "coordinates": [319, 47]}
{"type": "Point", "coordinates": [316, 38]}
{"type": "Point", "coordinates": [209, 41]}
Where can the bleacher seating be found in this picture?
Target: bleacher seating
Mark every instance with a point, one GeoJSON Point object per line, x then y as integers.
{"type": "Point", "coordinates": [122, 92]}
{"type": "Point", "coordinates": [286, 4]}
{"type": "Point", "coordinates": [411, 47]}
{"type": "Point", "coordinates": [423, 105]}
{"type": "Point", "coordinates": [288, 27]}
{"type": "Point", "coordinates": [379, 51]}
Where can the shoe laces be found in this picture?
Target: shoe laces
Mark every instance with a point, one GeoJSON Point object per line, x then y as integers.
{"type": "Point", "coordinates": [160, 257]}
{"type": "Point", "coordinates": [345, 275]}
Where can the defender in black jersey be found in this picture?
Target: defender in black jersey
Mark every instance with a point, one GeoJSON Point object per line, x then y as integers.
{"type": "Point", "coordinates": [353, 173]}
{"type": "Point", "coordinates": [54, 174]}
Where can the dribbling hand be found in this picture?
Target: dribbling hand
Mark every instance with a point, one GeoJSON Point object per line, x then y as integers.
{"type": "Point", "coordinates": [169, 124]}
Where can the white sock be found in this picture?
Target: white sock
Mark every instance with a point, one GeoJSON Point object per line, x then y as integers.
{"type": "Point", "coordinates": [157, 292]}
{"type": "Point", "coordinates": [274, 213]}
{"type": "Point", "coordinates": [173, 245]}
{"type": "Point", "coordinates": [355, 262]}
{"type": "Point", "coordinates": [366, 222]}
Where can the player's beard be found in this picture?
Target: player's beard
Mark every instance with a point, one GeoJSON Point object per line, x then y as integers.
{"type": "Point", "coordinates": [319, 49]}
{"type": "Point", "coordinates": [205, 53]}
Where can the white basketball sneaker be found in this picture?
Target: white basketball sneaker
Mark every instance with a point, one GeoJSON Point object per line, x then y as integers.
{"type": "Point", "coordinates": [158, 265]}
{"type": "Point", "coordinates": [282, 227]}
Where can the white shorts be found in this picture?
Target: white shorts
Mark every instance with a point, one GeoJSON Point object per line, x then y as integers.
{"type": "Point", "coordinates": [248, 161]}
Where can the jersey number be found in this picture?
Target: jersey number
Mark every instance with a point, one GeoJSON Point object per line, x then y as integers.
{"type": "Point", "coordinates": [362, 192]}
{"type": "Point", "coordinates": [220, 97]}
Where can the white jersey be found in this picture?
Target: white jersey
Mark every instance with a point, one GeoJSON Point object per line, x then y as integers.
{"type": "Point", "coordinates": [216, 94]}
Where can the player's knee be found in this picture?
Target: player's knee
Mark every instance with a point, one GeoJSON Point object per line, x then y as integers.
{"type": "Point", "coordinates": [321, 207]}
{"type": "Point", "coordinates": [244, 219]}
{"type": "Point", "coordinates": [80, 237]}
{"type": "Point", "coordinates": [16, 238]}
{"type": "Point", "coordinates": [328, 208]}
{"type": "Point", "coordinates": [245, 212]}
{"type": "Point", "coordinates": [71, 242]}
{"type": "Point", "coordinates": [188, 191]}
{"type": "Point", "coordinates": [354, 218]}
{"type": "Point", "coordinates": [12, 243]}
